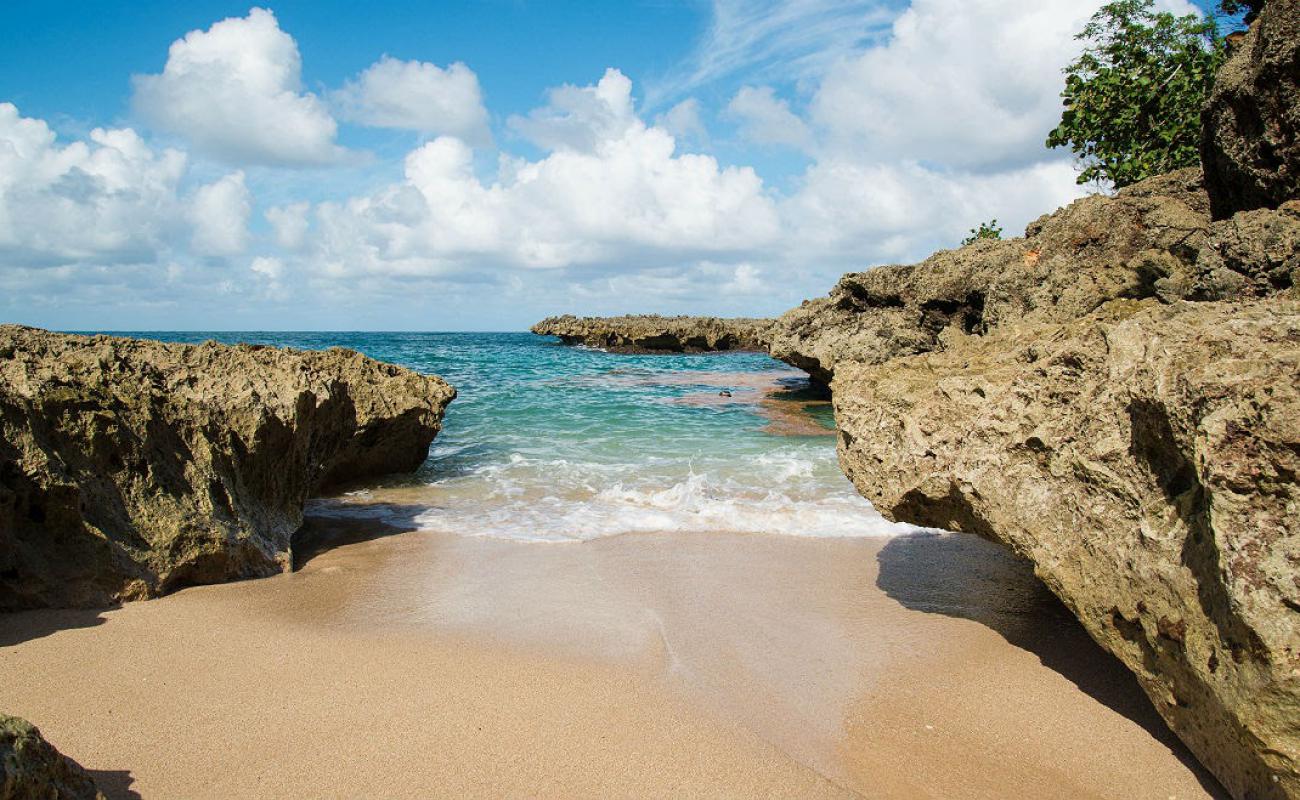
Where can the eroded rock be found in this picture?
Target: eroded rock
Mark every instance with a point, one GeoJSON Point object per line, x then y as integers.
{"type": "Point", "coordinates": [650, 333]}
{"type": "Point", "coordinates": [1068, 263]}
{"type": "Point", "coordinates": [31, 769]}
{"type": "Point", "coordinates": [1251, 145]}
{"type": "Point", "coordinates": [130, 468]}
{"type": "Point", "coordinates": [1145, 459]}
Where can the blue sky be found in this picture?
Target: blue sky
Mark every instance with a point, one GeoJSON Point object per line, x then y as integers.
{"type": "Point", "coordinates": [445, 166]}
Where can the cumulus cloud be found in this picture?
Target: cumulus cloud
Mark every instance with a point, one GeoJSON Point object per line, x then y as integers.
{"type": "Point", "coordinates": [289, 224]}
{"type": "Point", "coordinates": [111, 199]}
{"type": "Point", "coordinates": [685, 121]}
{"type": "Point", "coordinates": [235, 92]}
{"type": "Point", "coordinates": [767, 119]}
{"type": "Point", "coordinates": [219, 213]}
{"type": "Point", "coordinates": [612, 192]}
{"type": "Point", "coordinates": [418, 96]}
{"type": "Point", "coordinates": [581, 117]}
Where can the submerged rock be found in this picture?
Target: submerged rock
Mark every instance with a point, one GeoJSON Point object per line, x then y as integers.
{"type": "Point", "coordinates": [130, 468]}
{"type": "Point", "coordinates": [31, 769]}
{"type": "Point", "coordinates": [1251, 146]}
{"type": "Point", "coordinates": [650, 333]}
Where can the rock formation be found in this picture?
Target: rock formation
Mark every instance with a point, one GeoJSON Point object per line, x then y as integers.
{"type": "Point", "coordinates": [1251, 147]}
{"type": "Point", "coordinates": [31, 769]}
{"type": "Point", "coordinates": [130, 468]}
{"type": "Point", "coordinates": [1116, 396]}
{"type": "Point", "coordinates": [650, 333]}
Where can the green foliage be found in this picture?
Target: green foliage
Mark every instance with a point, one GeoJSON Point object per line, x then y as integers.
{"type": "Point", "coordinates": [986, 230]}
{"type": "Point", "coordinates": [1133, 99]}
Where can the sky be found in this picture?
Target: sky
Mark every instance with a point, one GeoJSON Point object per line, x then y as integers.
{"type": "Point", "coordinates": [402, 165]}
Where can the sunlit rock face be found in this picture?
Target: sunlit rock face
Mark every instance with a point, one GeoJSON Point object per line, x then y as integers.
{"type": "Point", "coordinates": [129, 468]}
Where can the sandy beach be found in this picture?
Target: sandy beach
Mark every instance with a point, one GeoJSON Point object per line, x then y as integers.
{"type": "Point", "coordinates": [432, 665]}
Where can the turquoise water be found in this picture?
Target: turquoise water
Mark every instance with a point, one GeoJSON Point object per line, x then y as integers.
{"type": "Point", "coordinates": [554, 443]}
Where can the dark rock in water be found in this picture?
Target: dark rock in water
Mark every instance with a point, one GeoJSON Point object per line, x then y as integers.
{"type": "Point", "coordinates": [31, 769]}
{"type": "Point", "coordinates": [130, 468]}
{"type": "Point", "coordinates": [650, 333]}
{"type": "Point", "coordinates": [1251, 144]}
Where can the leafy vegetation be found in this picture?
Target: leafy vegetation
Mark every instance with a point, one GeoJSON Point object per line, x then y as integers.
{"type": "Point", "coordinates": [1133, 99]}
{"type": "Point", "coordinates": [986, 230]}
{"type": "Point", "coordinates": [1249, 8]}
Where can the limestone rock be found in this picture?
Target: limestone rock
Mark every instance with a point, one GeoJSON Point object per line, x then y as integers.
{"type": "Point", "coordinates": [1251, 145]}
{"type": "Point", "coordinates": [650, 333]}
{"type": "Point", "coordinates": [31, 769]}
{"type": "Point", "coordinates": [1145, 459]}
{"type": "Point", "coordinates": [130, 468]}
{"type": "Point", "coordinates": [1068, 264]}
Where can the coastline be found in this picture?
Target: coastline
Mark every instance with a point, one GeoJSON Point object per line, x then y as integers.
{"type": "Point", "coordinates": [640, 665]}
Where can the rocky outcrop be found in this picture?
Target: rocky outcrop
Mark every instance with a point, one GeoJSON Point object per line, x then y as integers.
{"type": "Point", "coordinates": [130, 468]}
{"type": "Point", "coordinates": [1251, 146]}
{"type": "Point", "coordinates": [1145, 459]}
{"type": "Point", "coordinates": [650, 333]}
{"type": "Point", "coordinates": [1069, 263]}
{"type": "Point", "coordinates": [1115, 397]}
{"type": "Point", "coordinates": [31, 769]}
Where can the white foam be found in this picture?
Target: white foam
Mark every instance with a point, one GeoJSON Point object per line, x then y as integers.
{"type": "Point", "coordinates": [555, 500]}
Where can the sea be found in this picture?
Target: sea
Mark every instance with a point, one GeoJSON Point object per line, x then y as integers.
{"type": "Point", "coordinates": [553, 443]}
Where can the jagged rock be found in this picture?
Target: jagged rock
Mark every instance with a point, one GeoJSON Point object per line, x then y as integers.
{"type": "Point", "coordinates": [1115, 396]}
{"type": "Point", "coordinates": [31, 769]}
{"type": "Point", "coordinates": [650, 333]}
{"type": "Point", "coordinates": [1251, 145]}
{"type": "Point", "coordinates": [1145, 459]}
{"type": "Point", "coordinates": [130, 468]}
{"type": "Point", "coordinates": [1068, 264]}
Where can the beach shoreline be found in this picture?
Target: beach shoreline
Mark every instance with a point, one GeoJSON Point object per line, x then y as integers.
{"type": "Point", "coordinates": [423, 664]}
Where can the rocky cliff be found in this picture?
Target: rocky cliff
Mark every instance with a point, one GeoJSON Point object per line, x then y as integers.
{"type": "Point", "coordinates": [129, 468]}
{"type": "Point", "coordinates": [31, 769]}
{"type": "Point", "coordinates": [1115, 397]}
{"type": "Point", "coordinates": [1251, 143]}
{"type": "Point", "coordinates": [650, 333]}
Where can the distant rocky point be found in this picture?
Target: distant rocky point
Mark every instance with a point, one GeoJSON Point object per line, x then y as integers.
{"type": "Point", "coordinates": [650, 333]}
{"type": "Point", "coordinates": [129, 468]}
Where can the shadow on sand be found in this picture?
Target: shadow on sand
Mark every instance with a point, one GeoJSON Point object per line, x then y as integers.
{"type": "Point", "coordinates": [961, 575]}
{"type": "Point", "coordinates": [115, 784]}
{"type": "Point", "coordinates": [17, 627]}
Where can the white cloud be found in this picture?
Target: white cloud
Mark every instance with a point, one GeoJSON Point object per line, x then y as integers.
{"type": "Point", "coordinates": [613, 192]}
{"type": "Point", "coordinates": [219, 213]}
{"type": "Point", "coordinates": [290, 224]}
{"type": "Point", "coordinates": [418, 96]}
{"type": "Point", "coordinates": [778, 39]}
{"type": "Point", "coordinates": [581, 117]}
{"type": "Point", "coordinates": [685, 121]}
{"type": "Point", "coordinates": [235, 92]}
{"type": "Point", "coordinates": [110, 199]}
{"type": "Point", "coordinates": [767, 119]}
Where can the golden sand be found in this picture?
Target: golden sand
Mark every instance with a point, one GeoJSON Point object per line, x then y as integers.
{"type": "Point", "coordinates": [428, 665]}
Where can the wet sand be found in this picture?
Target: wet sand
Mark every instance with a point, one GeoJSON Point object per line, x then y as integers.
{"type": "Point", "coordinates": [648, 665]}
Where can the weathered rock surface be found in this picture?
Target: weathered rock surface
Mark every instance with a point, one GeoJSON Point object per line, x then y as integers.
{"type": "Point", "coordinates": [1251, 146]}
{"type": "Point", "coordinates": [130, 468]}
{"type": "Point", "coordinates": [31, 769]}
{"type": "Point", "coordinates": [1145, 459]}
{"type": "Point", "coordinates": [1068, 264]}
{"type": "Point", "coordinates": [650, 333]}
{"type": "Point", "coordinates": [1116, 397]}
